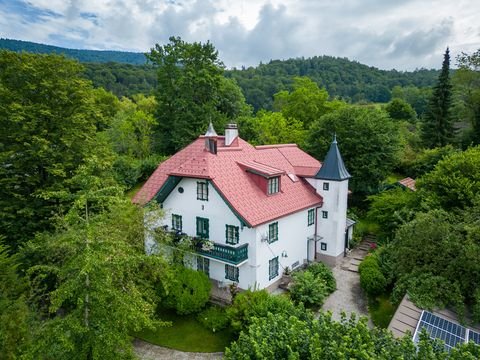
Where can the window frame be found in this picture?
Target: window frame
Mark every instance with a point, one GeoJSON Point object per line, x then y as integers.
{"type": "Point", "coordinates": [273, 266]}
{"type": "Point", "coordinates": [206, 229]}
{"type": "Point", "coordinates": [273, 185]}
{"type": "Point", "coordinates": [232, 273]}
{"type": "Point", "coordinates": [273, 230]}
{"type": "Point", "coordinates": [232, 234]}
{"type": "Point", "coordinates": [202, 190]}
{"type": "Point", "coordinates": [177, 219]}
{"type": "Point", "coordinates": [203, 265]}
{"type": "Point", "coordinates": [324, 214]}
{"type": "Point", "coordinates": [311, 217]}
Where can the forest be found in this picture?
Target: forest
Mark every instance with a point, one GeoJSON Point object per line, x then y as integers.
{"type": "Point", "coordinates": [75, 282]}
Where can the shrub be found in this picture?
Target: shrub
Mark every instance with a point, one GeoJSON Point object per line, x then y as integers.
{"type": "Point", "coordinates": [308, 289]}
{"type": "Point", "coordinates": [213, 318]}
{"type": "Point", "coordinates": [249, 305]}
{"type": "Point", "coordinates": [323, 272]}
{"type": "Point", "coordinates": [189, 291]}
{"type": "Point", "coordinates": [126, 171]}
{"type": "Point", "coordinates": [149, 165]}
{"type": "Point", "coordinates": [476, 306]}
{"type": "Point", "coordinates": [371, 276]}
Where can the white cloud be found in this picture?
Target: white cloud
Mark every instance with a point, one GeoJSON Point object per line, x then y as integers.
{"type": "Point", "coordinates": [384, 33]}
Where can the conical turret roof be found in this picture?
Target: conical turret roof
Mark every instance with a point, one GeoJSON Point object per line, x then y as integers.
{"type": "Point", "coordinates": [333, 167]}
{"type": "Point", "coordinates": [211, 131]}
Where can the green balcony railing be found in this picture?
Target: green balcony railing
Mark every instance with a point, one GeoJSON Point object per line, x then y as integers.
{"type": "Point", "coordinates": [230, 254]}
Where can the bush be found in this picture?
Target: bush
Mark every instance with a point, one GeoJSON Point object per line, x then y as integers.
{"type": "Point", "coordinates": [213, 318]}
{"type": "Point", "coordinates": [476, 306]}
{"type": "Point", "coordinates": [249, 305]}
{"type": "Point", "coordinates": [189, 291]}
{"type": "Point", "coordinates": [323, 272]}
{"type": "Point", "coordinates": [308, 289]}
{"type": "Point", "coordinates": [127, 171]}
{"type": "Point", "coordinates": [371, 276]}
{"type": "Point", "coordinates": [149, 165]}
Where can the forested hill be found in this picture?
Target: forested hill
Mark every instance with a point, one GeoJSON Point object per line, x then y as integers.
{"type": "Point", "coordinates": [96, 56]}
{"type": "Point", "coordinates": [341, 77]}
{"type": "Point", "coordinates": [126, 74]}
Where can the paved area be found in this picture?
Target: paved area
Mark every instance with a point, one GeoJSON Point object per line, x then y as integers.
{"type": "Point", "coordinates": [146, 351]}
{"type": "Point", "coordinates": [349, 296]}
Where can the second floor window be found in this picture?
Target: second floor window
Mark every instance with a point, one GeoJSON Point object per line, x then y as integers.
{"type": "Point", "coordinates": [176, 222]}
{"type": "Point", "coordinates": [202, 228]}
{"type": "Point", "coordinates": [273, 232]}
{"type": "Point", "coordinates": [231, 234]}
{"type": "Point", "coordinates": [311, 217]}
{"type": "Point", "coordinates": [273, 185]}
{"type": "Point", "coordinates": [202, 191]}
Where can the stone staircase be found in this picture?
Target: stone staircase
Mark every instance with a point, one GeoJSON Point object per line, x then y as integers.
{"type": "Point", "coordinates": [356, 255]}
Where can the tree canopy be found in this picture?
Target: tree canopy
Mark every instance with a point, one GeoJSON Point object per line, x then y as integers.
{"type": "Point", "coordinates": [367, 138]}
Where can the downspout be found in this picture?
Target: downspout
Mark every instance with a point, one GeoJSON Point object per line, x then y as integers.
{"type": "Point", "coordinates": [315, 234]}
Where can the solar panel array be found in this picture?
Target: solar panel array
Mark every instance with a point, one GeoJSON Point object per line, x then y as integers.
{"type": "Point", "coordinates": [474, 336]}
{"type": "Point", "coordinates": [439, 328]}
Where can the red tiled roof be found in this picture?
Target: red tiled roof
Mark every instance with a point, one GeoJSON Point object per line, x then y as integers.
{"type": "Point", "coordinates": [227, 172]}
{"type": "Point", "coordinates": [408, 183]}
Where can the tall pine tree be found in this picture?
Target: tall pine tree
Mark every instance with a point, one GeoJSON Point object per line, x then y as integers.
{"type": "Point", "coordinates": [438, 124]}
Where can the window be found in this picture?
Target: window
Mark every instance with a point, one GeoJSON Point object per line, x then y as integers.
{"type": "Point", "coordinates": [231, 273]}
{"type": "Point", "coordinates": [273, 268]}
{"type": "Point", "coordinates": [323, 246]}
{"type": "Point", "coordinates": [325, 214]}
{"type": "Point", "coordinates": [326, 186]}
{"type": "Point", "coordinates": [176, 222]}
{"type": "Point", "coordinates": [273, 185]}
{"type": "Point", "coordinates": [311, 217]}
{"type": "Point", "coordinates": [231, 234]}
{"type": "Point", "coordinates": [202, 191]}
{"type": "Point", "coordinates": [202, 228]}
{"type": "Point", "coordinates": [203, 265]}
{"type": "Point", "coordinates": [272, 232]}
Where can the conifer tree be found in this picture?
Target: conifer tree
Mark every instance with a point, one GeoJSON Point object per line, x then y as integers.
{"type": "Point", "coordinates": [438, 123]}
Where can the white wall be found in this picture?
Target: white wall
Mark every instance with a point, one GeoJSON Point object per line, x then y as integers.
{"type": "Point", "coordinates": [219, 215]}
{"type": "Point", "coordinates": [293, 231]}
{"type": "Point", "coordinates": [332, 229]}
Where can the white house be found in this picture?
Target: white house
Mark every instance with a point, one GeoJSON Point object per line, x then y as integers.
{"type": "Point", "coordinates": [265, 208]}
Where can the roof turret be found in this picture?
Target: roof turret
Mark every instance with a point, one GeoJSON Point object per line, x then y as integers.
{"type": "Point", "coordinates": [333, 167]}
{"type": "Point", "coordinates": [211, 131]}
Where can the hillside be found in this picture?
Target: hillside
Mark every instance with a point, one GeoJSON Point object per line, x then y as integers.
{"type": "Point", "coordinates": [97, 56]}
{"type": "Point", "coordinates": [126, 73]}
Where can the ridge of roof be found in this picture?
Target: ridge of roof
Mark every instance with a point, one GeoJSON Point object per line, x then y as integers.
{"type": "Point", "coordinates": [274, 146]}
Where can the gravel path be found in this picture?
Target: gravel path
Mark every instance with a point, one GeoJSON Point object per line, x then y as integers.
{"type": "Point", "coordinates": [349, 296]}
{"type": "Point", "coordinates": [146, 351]}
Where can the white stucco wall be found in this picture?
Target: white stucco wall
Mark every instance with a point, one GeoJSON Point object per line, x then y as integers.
{"type": "Point", "coordinates": [219, 214]}
{"type": "Point", "coordinates": [293, 231]}
{"type": "Point", "coordinates": [332, 229]}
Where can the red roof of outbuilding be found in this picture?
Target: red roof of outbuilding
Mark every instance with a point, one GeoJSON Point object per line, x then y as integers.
{"type": "Point", "coordinates": [227, 170]}
{"type": "Point", "coordinates": [408, 183]}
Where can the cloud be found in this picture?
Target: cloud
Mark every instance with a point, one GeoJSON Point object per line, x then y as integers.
{"type": "Point", "coordinates": [383, 33]}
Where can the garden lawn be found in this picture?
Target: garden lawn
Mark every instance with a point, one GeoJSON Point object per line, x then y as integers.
{"type": "Point", "coordinates": [131, 193]}
{"type": "Point", "coordinates": [381, 310]}
{"type": "Point", "coordinates": [186, 334]}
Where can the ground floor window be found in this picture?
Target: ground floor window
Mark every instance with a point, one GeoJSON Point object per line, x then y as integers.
{"type": "Point", "coordinates": [273, 268]}
{"type": "Point", "coordinates": [231, 273]}
{"type": "Point", "coordinates": [203, 265]}
{"type": "Point", "coordinates": [323, 246]}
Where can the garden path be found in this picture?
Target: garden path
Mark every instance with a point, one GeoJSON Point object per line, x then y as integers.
{"type": "Point", "coordinates": [146, 351]}
{"type": "Point", "coordinates": [349, 296]}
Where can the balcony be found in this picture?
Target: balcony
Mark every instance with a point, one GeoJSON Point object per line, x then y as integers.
{"type": "Point", "coordinates": [228, 254]}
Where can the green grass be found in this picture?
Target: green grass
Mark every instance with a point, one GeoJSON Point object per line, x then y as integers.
{"type": "Point", "coordinates": [393, 178]}
{"type": "Point", "coordinates": [186, 334]}
{"type": "Point", "coordinates": [381, 310]}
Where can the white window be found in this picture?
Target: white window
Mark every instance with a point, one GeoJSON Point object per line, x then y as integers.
{"type": "Point", "coordinates": [273, 185]}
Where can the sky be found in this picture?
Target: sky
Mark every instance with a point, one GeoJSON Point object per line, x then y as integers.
{"type": "Point", "coordinates": [400, 34]}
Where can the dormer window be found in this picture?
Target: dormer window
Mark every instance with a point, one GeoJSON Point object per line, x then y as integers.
{"type": "Point", "coordinates": [273, 185]}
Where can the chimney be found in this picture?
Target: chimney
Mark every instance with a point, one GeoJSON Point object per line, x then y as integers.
{"type": "Point", "coordinates": [231, 133]}
{"type": "Point", "coordinates": [211, 139]}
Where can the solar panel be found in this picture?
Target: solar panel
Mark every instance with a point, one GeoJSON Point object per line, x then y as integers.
{"type": "Point", "coordinates": [474, 336]}
{"type": "Point", "coordinates": [438, 328]}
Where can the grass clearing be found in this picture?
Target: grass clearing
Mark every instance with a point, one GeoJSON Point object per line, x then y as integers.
{"type": "Point", "coordinates": [131, 193]}
{"type": "Point", "coordinates": [381, 310]}
{"type": "Point", "coordinates": [186, 334]}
